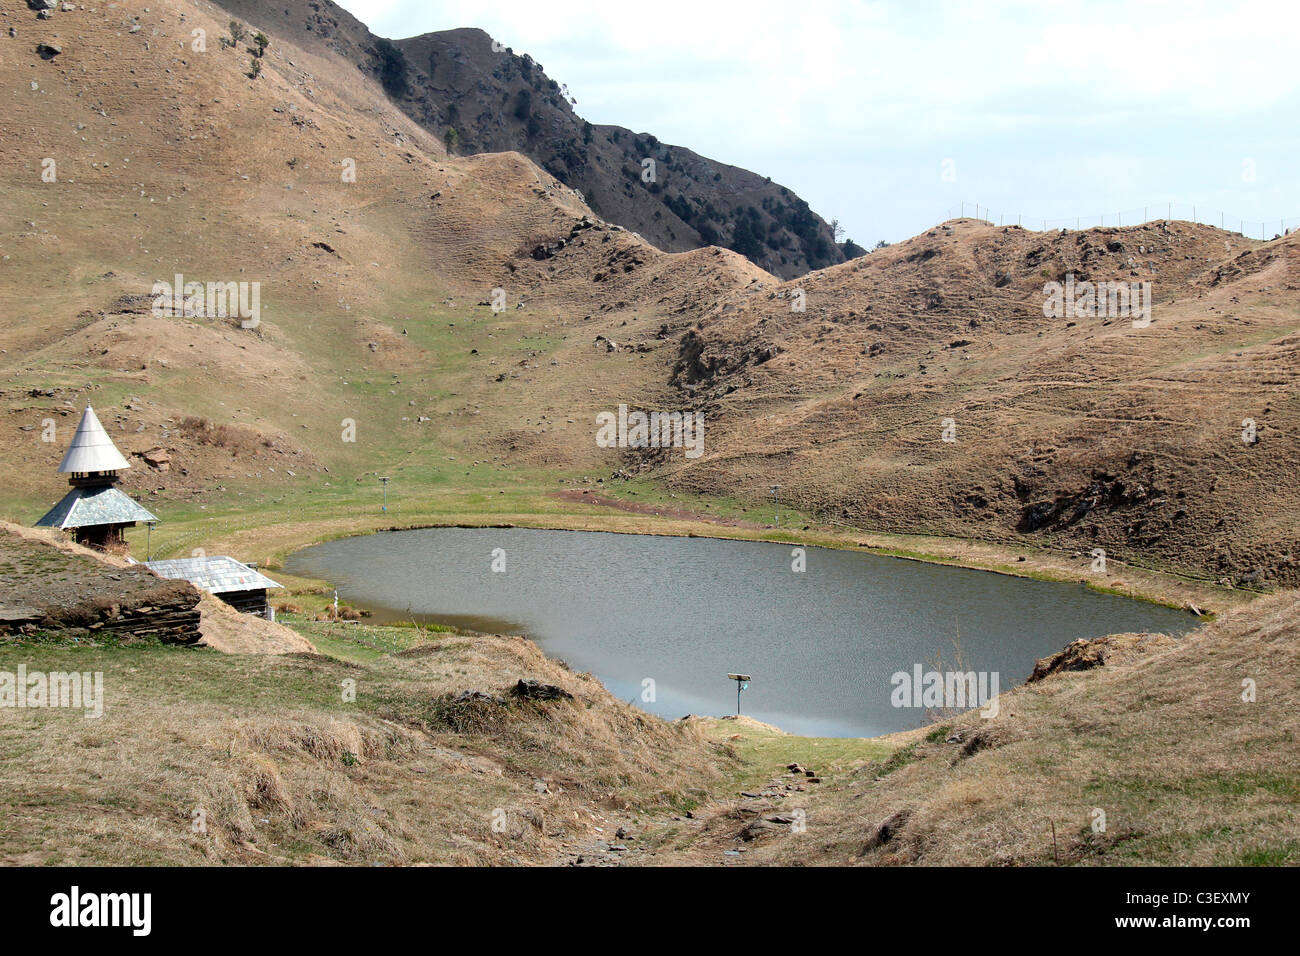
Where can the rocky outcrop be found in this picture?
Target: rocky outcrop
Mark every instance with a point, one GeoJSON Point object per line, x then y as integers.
{"type": "Point", "coordinates": [1084, 655]}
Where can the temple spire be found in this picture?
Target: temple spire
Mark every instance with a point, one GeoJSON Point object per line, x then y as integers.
{"type": "Point", "coordinates": [91, 449]}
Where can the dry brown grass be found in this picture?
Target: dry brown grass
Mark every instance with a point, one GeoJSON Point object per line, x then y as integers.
{"type": "Point", "coordinates": [1127, 439]}
{"type": "Point", "coordinates": [283, 771]}
{"type": "Point", "coordinates": [239, 441]}
{"type": "Point", "coordinates": [1185, 771]}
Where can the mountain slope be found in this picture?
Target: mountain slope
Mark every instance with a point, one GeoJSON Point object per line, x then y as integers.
{"type": "Point", "coordinates": [1073, 433]}
{"type": "Point", "coordinates": [1078, 432]}
{"type": "Point", "coordinates": [497, 101]}
{"type": "Point", "coordinates": [375, 292]}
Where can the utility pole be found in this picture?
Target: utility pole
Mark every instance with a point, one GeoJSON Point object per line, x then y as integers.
{"type": "Point", "coordinates": [742, 683]}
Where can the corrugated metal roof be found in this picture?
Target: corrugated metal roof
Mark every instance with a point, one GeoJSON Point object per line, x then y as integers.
{"type": "Point", "coordinates": [217, 574]}
{"type": "Point", "coordinates": [86, 507]}
{"type": "Point", "coordinates": [91, 448]}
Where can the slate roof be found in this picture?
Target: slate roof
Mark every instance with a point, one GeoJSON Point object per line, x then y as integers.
{"type": "Point", "coordinates": [91, 448]}
{"type": "Point", "coordinates": [86, 507]}
{"type": "Point", "coordinates": [216, 574]}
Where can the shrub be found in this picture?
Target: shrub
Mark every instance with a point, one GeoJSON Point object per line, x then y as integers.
{"type": "Point", "coordinates": [392, 67]}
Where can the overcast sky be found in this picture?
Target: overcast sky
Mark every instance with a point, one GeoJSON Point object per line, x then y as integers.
{"type": "Point", "coordinates": [888, 115]}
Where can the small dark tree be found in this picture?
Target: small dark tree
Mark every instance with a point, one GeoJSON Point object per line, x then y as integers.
{"type": "Point", "coordinates": [451, 139]}
{"type": "Point", "coordinates": [523, 105]}
{"type": "Point", "coordinates": [262, 41]}
{"type": "Point", "coordinates": [237, 32]}
{"type": "Point", "coordinates": [392, 67]}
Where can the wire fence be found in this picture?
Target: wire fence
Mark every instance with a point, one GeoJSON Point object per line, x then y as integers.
{"type": "Point", "coordinates": [1157, 212]}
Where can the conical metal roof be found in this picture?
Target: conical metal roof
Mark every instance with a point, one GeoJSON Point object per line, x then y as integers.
{"type": "Point", "coordinates": [91, 448]}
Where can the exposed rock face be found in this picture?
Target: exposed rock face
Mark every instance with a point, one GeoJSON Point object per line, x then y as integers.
{"type": "Point", "coordinates": [1084, 655]}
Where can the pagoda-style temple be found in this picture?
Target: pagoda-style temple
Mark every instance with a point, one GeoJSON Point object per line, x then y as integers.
{"type": "Point", "coordinates": [94, 510]}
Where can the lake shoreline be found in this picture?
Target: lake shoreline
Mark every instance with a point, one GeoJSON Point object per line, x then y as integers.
{"type": "Point", "coordinates": [1161, 588]}
{"type": "Point", "coordinates": [871, 617]}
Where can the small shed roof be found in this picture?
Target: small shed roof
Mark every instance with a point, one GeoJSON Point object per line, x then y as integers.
{"type": "Point", "coordinates": [91, 448]}
{"type": "Point", "coordinates": [217, 574]}
{"type": "Point", "coordinates": [87, 507]}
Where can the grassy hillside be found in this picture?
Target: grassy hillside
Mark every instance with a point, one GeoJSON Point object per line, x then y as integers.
{"type": "Point", "coordinates": [1152, 760]}
{"type": "Point", "coordinates": [1168, 445]}
{"type": "Point", "coordinates": [279, 768]}
{"type": "Point", "coordinates": [378, 351]}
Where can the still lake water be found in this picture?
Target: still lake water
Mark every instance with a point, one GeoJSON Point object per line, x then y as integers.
{"type": "Point", "coordinates": [820, 645]}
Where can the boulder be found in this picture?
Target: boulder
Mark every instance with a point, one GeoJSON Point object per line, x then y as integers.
{"type": "Point", "coordinates": [159, 459]}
